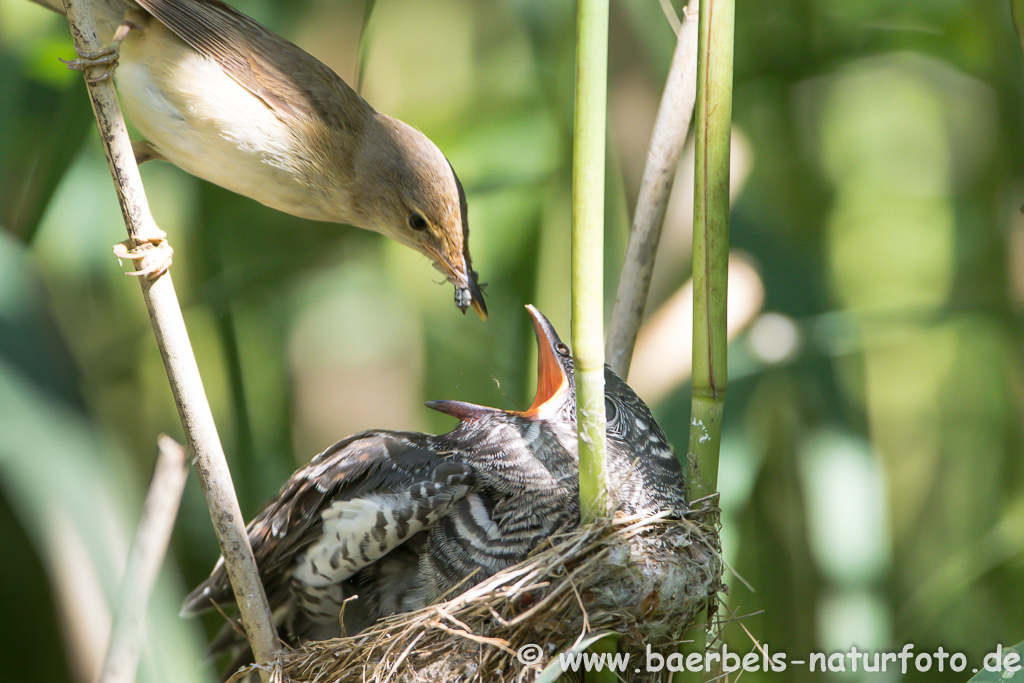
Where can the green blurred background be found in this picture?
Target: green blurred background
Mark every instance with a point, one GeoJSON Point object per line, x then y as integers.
{"type": "Point", "coordinates": [871, 477]}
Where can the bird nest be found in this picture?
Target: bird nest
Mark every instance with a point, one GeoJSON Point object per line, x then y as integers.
{"type": "Point", "coordinates": [643, 577]}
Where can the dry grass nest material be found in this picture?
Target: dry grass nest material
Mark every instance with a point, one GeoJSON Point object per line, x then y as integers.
{"type": "Point", "coordinates": [643, 577]}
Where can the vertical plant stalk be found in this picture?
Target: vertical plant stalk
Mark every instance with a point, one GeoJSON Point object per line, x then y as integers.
{"type": "Point", "coordinates": [1017, 10]}
{"type": "Point", "coordinates": [144, 560]}
{"type": "Point", "coordinates": [176, 351]}
{"type": "Point", "coordinates": [711, 243]}
{"type": "Point", "coordinates": [670, 128]}
{"type": "Point", "coordinates": [710, 258]}
{"type": "Point", "coordinates": [588, 168]}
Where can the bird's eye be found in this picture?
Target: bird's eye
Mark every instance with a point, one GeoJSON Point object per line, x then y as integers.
{"type": "Point", "coordinates": [417, 222]}
{"type": "Point", "coordinates": [610, 411]}
{"type": "Point", "coordinates": [562, 349]}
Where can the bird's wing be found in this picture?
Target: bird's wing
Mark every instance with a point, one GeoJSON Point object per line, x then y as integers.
{"type": "Point", "coordinates": [349, 506]}
{"type": "Point", "coordinates": [289, 80]}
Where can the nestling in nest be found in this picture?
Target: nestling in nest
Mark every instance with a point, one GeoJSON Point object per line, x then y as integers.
{"type": "Point", "coordinates": [384, 526]}
{"type": "Point", "coordinates": [643, 577]}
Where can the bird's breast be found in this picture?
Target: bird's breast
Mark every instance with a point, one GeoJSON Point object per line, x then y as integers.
{"type": "Point", "coordinates": [205, 122]}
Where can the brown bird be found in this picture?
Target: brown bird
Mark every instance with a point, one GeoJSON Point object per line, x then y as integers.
{"type": "Point", "coordinates": [227, 100]}
{"type": "Point", "coordinates": [402, 520]}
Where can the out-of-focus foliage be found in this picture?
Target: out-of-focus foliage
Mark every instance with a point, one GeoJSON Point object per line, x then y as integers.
{"type": "Point", "coordinates": [871, 471]}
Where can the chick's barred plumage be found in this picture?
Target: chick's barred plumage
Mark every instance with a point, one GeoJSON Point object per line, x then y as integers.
{"type": "Point", "coordinates": [404, 520]}
{"type": "Point", "coordinates": [322, 539]}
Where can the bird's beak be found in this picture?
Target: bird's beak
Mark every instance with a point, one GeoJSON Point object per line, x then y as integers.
{"type": "Point", "coordinates": [467, 412]}
{"type": "Point", "coordinates": [476, 296]}
{"type": "Point", "coordinates": [552, 381]}
{"type": "Point", "coordinates": [467, 291]}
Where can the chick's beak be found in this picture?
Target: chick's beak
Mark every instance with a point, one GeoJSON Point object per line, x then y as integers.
{"type": "Point", "coordinates": [551, 377]}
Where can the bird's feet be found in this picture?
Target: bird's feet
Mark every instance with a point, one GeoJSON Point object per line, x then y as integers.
{"type": "Point", "coordinates": [102, 61]}
{"type": "Point", "coordinates": [155, 249]}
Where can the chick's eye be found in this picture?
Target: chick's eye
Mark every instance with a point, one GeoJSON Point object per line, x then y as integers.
{"type": "Point", "coordinates": [610, 411]}
{"type": "Point", "coordinates": [562, 349]}
{"type": "Point", "coordinates": [417, 222]}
